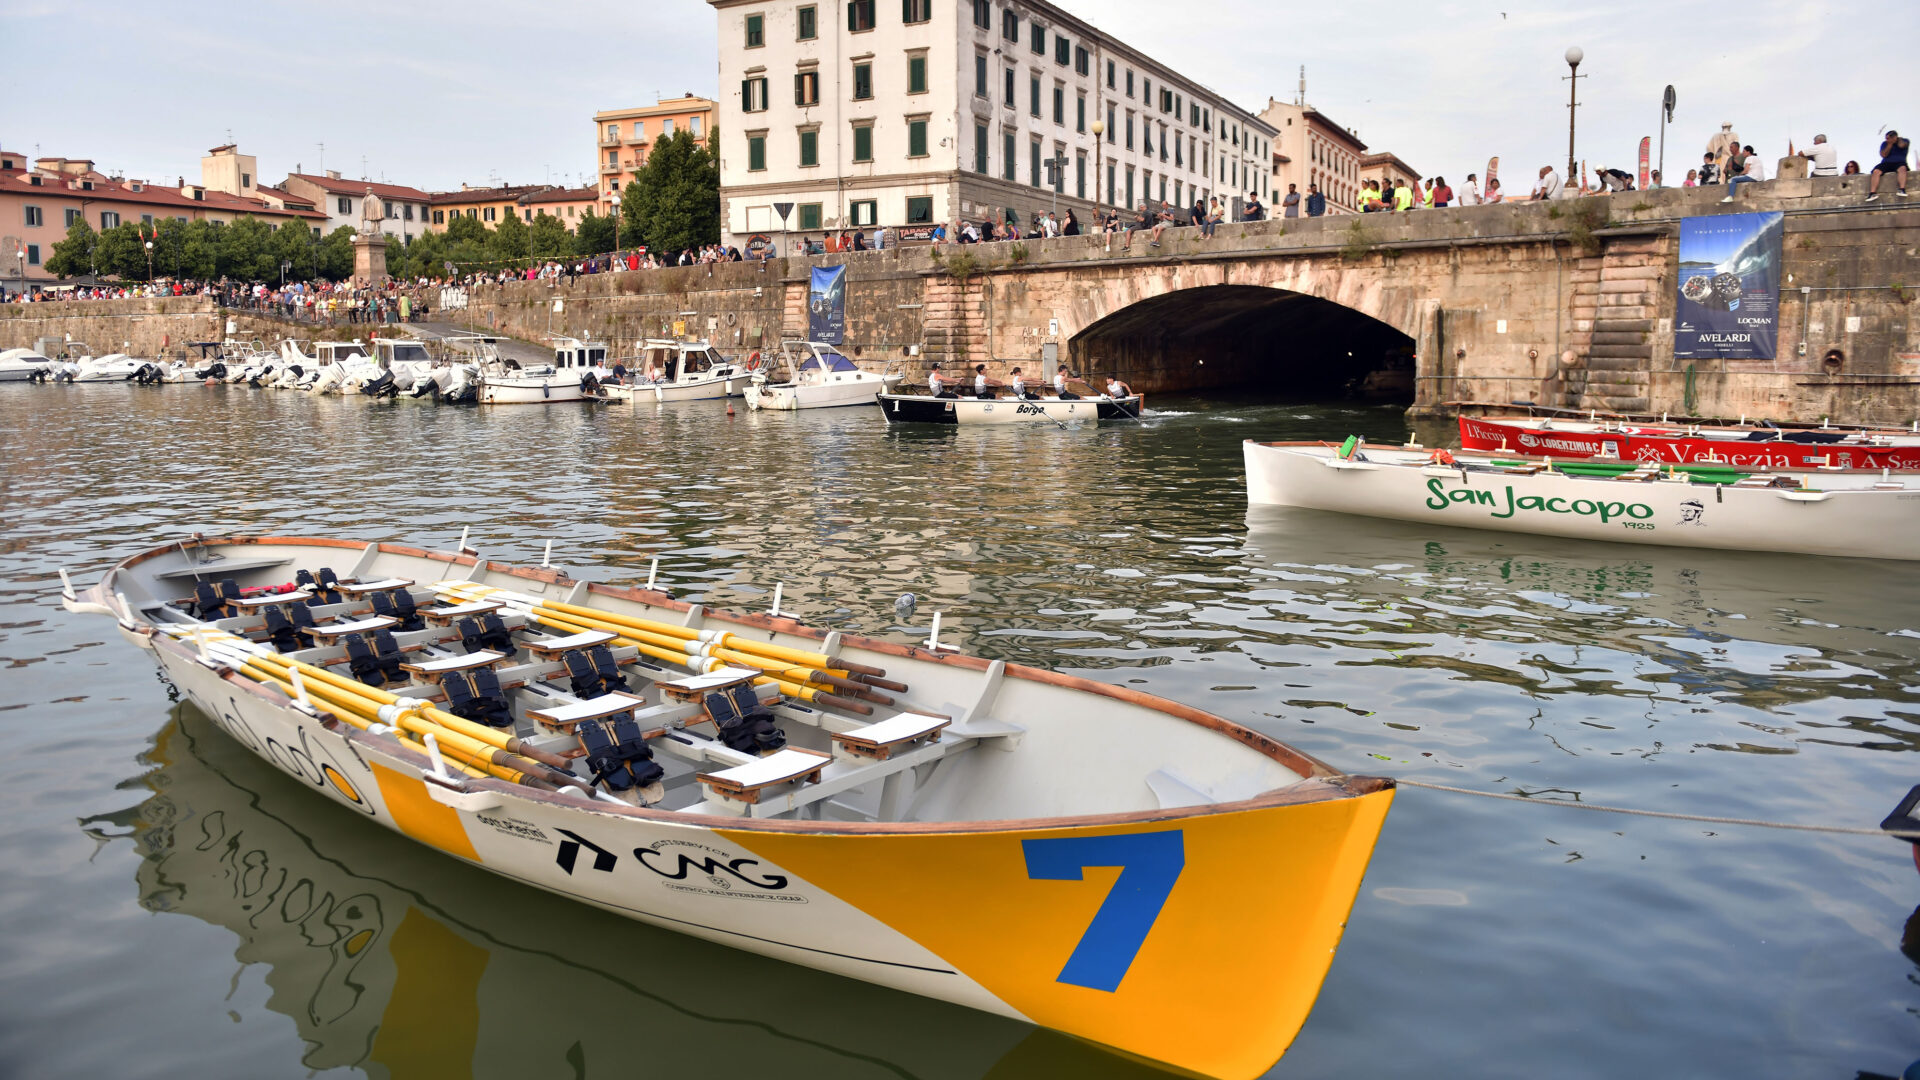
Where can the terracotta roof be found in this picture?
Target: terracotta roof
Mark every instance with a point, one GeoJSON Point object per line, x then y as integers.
{"type": "Point", "coordinates": [553, 195]}
{"type": "Point", "coordinates": [16, 182]}
{"type": "Point", "coordinates": [344, 186]}
{"type": "Point", "coordinates": [1335, 129]}
{"type": "Point", "coordinates": [285, 196]}
{"type": "Point", "coordinates": [492, 194]}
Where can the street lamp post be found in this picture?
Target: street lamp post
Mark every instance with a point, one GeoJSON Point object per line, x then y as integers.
{"type": "Point", "coordinates": [149, 262]}
{"type": "Point", "coordinates": [1574, 56]}
{"type": "Point", "coordinates": [1667, 102]}
{"type": "Point", "coordinates": [1099, 131]}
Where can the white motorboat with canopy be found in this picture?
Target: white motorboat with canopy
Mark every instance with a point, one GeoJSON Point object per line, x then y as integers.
{"type": "Point", "coordinates": [1019, 841]}
{"type": "Point", "coordinates": [691, 371]}
{"type": "Point", "coordinates": [23, 365]}
{"type": "Point", "coordinates": [817, 375]}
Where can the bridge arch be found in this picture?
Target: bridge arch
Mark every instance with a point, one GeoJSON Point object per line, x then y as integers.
{"type": "Point", "coordinates": [1248, 337]}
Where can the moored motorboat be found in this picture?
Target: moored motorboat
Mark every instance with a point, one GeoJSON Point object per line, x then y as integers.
{"type": "Point", "coordinates": [23, 365]}
{"type": "Point", "coordinates": [1858, 514]}
{"type": "Point", "coordinates": [691, 371]}
{"type": "Point", "coordinates": [949, 409]}
{"type": "Point", "coordinates": [1742, 446]}
{"type": "Point", "coordinates": [1018, 841]}
{"type": "Point", "coordinates": [817, 376]}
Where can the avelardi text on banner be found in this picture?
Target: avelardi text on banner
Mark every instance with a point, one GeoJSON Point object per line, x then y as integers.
{"type": "Point", "coordinates": [1729, 306]}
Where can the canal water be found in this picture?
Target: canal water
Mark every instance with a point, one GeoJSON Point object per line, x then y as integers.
{"type": "Point", "coordinates": [171, 906]}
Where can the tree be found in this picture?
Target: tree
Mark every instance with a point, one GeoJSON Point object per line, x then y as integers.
{"type": "Point", "coordinates": [336, 254]}
{"type": "Point", "coordinates": [293, 243]}
{"type": "Point", "coordinates": [121, 253]}
{"type": "Point", "coordinates": [673, 202]}
{"type": "Point", "coordinates": [245, 250]}
{"type": "Point", "coordinates": [510, 239]}
{"type": "Point", "coordinates": [547, 237]}
{"type": "Point", "coordinates": [467, 229]}
{"type": "Point", "coordinates": [200, 250]}
{"type": "Point", "coordinates": [594, 234]}
{"type": "Point", "coordinates": [74, 255]}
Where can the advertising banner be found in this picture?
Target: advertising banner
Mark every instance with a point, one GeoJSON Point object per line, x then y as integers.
{"type": "Point", "coordinates": [827, 305]}
{"type": "Point", "coordinates": [1729, 306]}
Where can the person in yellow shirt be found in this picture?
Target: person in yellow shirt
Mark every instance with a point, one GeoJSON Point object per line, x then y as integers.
{"type": "Point", "coordinates": [1402, 197]}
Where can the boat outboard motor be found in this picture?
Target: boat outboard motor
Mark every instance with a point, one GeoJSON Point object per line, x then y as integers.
{"type": "Point", "coordinates": [216, 370]}
{"type": "Point", "coordinates": [589, 385]}
{"type": "Point", "coordinates": [380, 385]}
{"type": "Point", "coordinates": [619, 757]}
{"type": "Point", "coordinates": [744, 724]}
{"type": "Point", "coordinates": [146, 375]}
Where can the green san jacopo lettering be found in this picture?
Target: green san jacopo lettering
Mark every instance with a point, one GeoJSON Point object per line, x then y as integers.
{"type": "Point", "coordinates": [1605, 511]}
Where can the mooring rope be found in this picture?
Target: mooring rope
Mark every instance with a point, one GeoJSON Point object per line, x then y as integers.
{"type": "Point", "coordinates": [1843, 830]}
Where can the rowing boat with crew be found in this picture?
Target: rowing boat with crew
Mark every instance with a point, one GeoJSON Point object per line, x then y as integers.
{"type": "Point", "coordinates": [1019, 841]}
{"type": "Point", "coordinates": [1873, 515]}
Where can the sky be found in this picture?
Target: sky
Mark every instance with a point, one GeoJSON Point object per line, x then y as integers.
{"type": "Point", "coordinates": [435, 94]}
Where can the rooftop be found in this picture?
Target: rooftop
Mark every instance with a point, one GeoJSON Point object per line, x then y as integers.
{"type": "Point", "coordinates": [337, 185]}
{"type": "Point", "coordinates": [15, 182]}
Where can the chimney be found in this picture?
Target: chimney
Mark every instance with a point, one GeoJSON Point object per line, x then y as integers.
{"type": "Point", "coordinates": [333, 174]}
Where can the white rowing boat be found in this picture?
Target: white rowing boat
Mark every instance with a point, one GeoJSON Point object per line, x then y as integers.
{"type": "Point", "coordinates": [1864, 515]}
{"type": "Point", "coordinates": [1018, 841]}
{"type": "Point", "coordinates": [925, 409]}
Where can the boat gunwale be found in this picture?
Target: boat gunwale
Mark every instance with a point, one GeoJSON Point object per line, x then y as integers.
{"type": "Point", "coordinates": [1318, 781]}
{"type": "Point", "coordinates": [1520, 458]}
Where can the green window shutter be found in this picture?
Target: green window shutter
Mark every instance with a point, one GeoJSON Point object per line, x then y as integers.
{"type": "Point", "coordinates": [917, 139]}
{"type": "Point", "coordinates": [863, 144]}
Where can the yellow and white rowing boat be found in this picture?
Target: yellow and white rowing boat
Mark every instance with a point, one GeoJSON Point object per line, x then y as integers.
{"type": "Point", "coordinates": [1085, 857]}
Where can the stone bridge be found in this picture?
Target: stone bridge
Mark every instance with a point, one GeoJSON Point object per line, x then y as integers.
{"type": "Point", "coordinates": [1567, 304]}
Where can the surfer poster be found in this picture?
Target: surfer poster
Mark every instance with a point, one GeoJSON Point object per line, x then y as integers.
{"type": "Point", "coordinates": [827, 305]}
{"type": "Point", "coordinates": [1729, 305]}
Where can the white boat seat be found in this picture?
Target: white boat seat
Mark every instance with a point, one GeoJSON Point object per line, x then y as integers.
{"type": "Point", "coordinates": [695, 688]}
{"type": "Point", "coordinates": [447, 616]}
{"type": "Point", "coordinates": [254, 604]}
{"type": "Point", "coordinates": [593, 709]}
{"type": "Point", "coordinates": [747, 783]}
{"type": "Point", "coordinates": [440, 665]}
{"type": "Point", "coordinates": [879, 741]}
{"type": "Point", "coordinates": [550, 648]}
{"type": "Point", "coordinates": [362, 588]}
{"type": "Point", "coordinates": [332, 631]}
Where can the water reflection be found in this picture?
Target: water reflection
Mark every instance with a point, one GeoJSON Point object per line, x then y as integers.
{"type": "Point", "coordinates": [398, 962]}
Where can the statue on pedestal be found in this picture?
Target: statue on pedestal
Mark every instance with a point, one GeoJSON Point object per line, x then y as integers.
{"type": "Point", "coordinates": [373, 213]}
{"type": "Point", "coordinates": [370, 246]}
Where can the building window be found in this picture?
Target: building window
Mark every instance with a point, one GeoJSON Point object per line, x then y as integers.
{"type": "Point", "coordinates": [666, 128]}
{"type": "Point", "coordinates": [1033, 95]}
{"type": "Point", "coordinates": [756, 31]}
{"type": "Point", "coordinates": [859, 15]}
{"type": "Point", "coordinates": [639, 130]}
{"type": "Point", "coordinates": [1110, 70]}
{"type": "Point", "coordinates": [983, 14]}
{"type": "Point", "coordinates": [406, 212]}
{"type": "Point", "coordinates": [1080, 175]}
{"type": "Point", "coordinates": [1060, 105]}
{"type": "Point", "coordinates": [980, 149]}
{"type": "Point", "coordinates": [613, 132]}
{"type": "Point", "coordinates": [1129, 84]}
{"type": "Point", "coordinates": [864, 213]}
{"type": "Point", "coordinates": [33, 254]}
{"type": "Point", "coordinates": [1129, 129]}
{"type": "Point", "coordinates": [439, 217]}
{"type": "Point", "coordinates": [1080, 114]}
{"type": "Point", "coordinates": [1146, 91]}
{"type": "Point", "coordinates": [1033, 163]}
{"type": "Point", "coordinates": [1009, 25]}
{"type": "Point", "coordinates": [1146, 138]}
{"type": "Point", "coordinates": [1062, 50]}
{"type": "Point", "coordinates": [527, 214]}
{"type": "Point", "coordinates": [863, 143]}
{"type": "Point", "coordinates": [343, 205]}
{"type": "Point", "coordinates": [1110, 188]}
{"type": "Point", "coordinates": [756, 153]}
{"type": "Point", "coordinates": [809, 148]}
{"type": "Point", "coordinates": [489, 214]}
{"type": "Point", "coordinates": [917, 74]}
{"type": "Point", "coordinates": [1177, 147]}
{"type": "Point", "coordinates": [919, 209]}
{"type": "Point", "coordinates": [810, 215]}
{"type": "Point", "coordinates": [613, 157]}
{"type": "Point", "coordinates": [862, 82]}
{"type": "Point", "coordinates": [1113, 129]}
{"type": "Point", "coordinates": [753, 95]}
{"type": "Point", "coordinates": [1082, 62]}
{"type": "Point", "coordinates": [980, 75]}
{"type": "Point", "coordinates": [1011, 156]}
{"type": "Point", "coordinates": [917, 138]}
{"type": "Point", "coordinates": [1038, 35]}
{"type": "Point", "coordinates": [34, 218]}
{"type": "Point", "coordinates": [808, 19]}
{"type": "Point", "coordinates": [916, 11]}
{"type": "Point", "coordinates": [693, 126]}
{"type": "Point", "coordinates": [109, 220]}
{"type": "Point", "coordinates": [806, 88]}
{"type": "Point", "coordinates": [1163, 142]}
{"type": "Point", "coordinates": [1010, 97]}
{"type": "Point", "coordinates": [1130, 201]}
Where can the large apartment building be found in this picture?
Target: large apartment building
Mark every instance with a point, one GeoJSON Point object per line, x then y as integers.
{"type": "Point", "coordinates": [624, 137]}
{"type": "Point", "coordinates": [871, 112]}
{"type": "Point", "coordinates": [1311, 149]}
